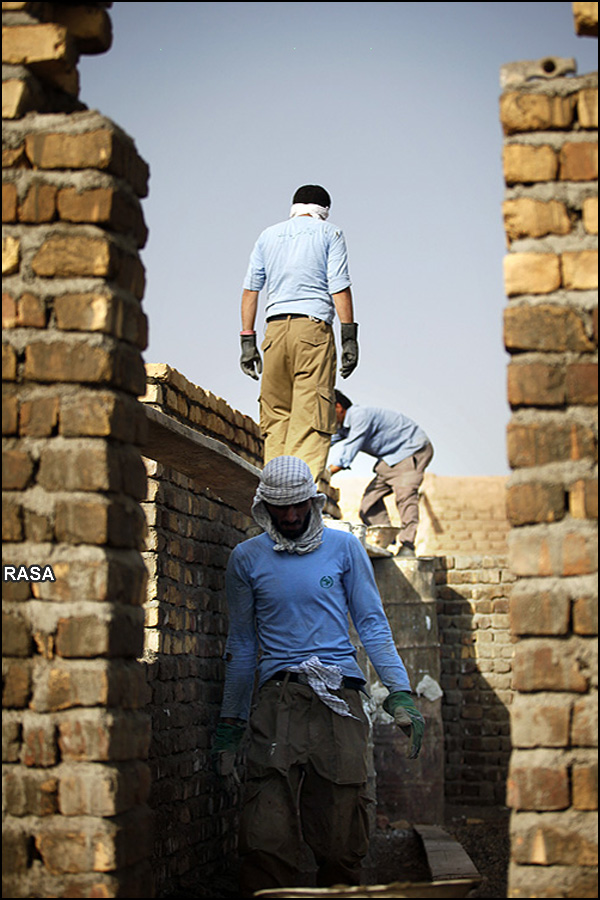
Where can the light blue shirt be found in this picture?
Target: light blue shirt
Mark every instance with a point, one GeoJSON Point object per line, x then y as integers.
{"type": "Point", "coordinates": [302, 262]}
{"type": "Point", "coordinates": [292, 606]}
{"type": "Point", "coordinates": [381, 433]}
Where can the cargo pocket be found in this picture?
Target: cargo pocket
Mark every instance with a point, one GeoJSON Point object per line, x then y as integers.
{"type": "Point", "coordinates": [325, 420]}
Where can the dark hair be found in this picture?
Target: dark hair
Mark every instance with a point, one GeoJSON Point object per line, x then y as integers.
{"type": "Point", "coordinates": [340, 398]}
{"type": "Point", "coordinates": [312, 193]}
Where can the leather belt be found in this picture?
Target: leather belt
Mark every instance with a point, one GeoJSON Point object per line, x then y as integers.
{"type": "Point", "coordinates": [280, 318]}
{"type": "Point", "coordinates": [353, 684]}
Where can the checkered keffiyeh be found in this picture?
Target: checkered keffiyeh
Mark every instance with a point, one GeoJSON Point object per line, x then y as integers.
{"type": "Point", "coordinates": [284, 481]}
{"type": "Point", "coordinates": [323, 679]}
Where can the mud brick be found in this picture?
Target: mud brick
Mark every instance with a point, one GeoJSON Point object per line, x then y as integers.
{"type": "Point", "coordinates": [31, 311]}
{"type": "Point", "coordinates": [10, 414]}
{"type": "Point", "coordinates": [535, 112]}
{"type": "Point", "coordinates": [91, 465]}
{"type": "Point", "coordinates": [9, 363]}
{"type": "Point", "coordinates": [541, 881]}
{"type": "Point", "coordinates": [12, 519]}
{"type": "Point", "coordinates": [64, 847]}
{"type": "Point", "coordinates": [578, 161]}
{"type": "Point", "coordinates": [552, 839]}
{"type": "Point", "coordinates": [536, 384]}
{"type": "Point", "coordinates": [538, 444]}
{"type": "Point", "coordinates": [580, 270]}
{"type": "Point", "coordinates": [9, 310]}
{"type": "Point", "coordinates": [587, 107]}
{"type": "Point", "coordinates": [585, 785]}
{"type": "Point", "coordinates": [9, 203]}
{"type": "Point", "coordinates": [531, 503]}
{"type": "Point", "coordinates": [90, 26]}
{"type": "Point", "coordinates": [590, 215]}
{"type": "Point", "coordinates": [79, 361]}
{"type": "Point", "coordinates": [16, 637]}
{"type": "Point", "coordinates": [549, 666]}
{"type": "Point", "coordinates": [76, 255]}
{"type": "Point", "coordinates": [15, 847]}
{"type": "Point", "coordinates": [96, 520]}
{"type": "Point", "coordinates": [103, 206]}
{"type": "Point", "coordinates": [547, 328]}
{"type": "Point", "coordinates": [11, 742]}
{"type": "Point", "coordinates": [97, 735]}
{"type": "Point", "coordinates": [103, 148]}
{"type": "Point", "coordinates": [527, 164]}
{"type": "Point", "coordinates": [531, 273]}
{"type": "Point", "coordinates": [101, 312]}
{"type": "Point", "coordinates": [539, 612]}
{"type": "Point", "coordinates": [582, 383]}
{"type": "Point", "coordinates": [11, 255]}
{"type": "Point", "coordinates": [39, 205]}
{"type": "Point", "coordinates": [584, 727]}
{"type": "Point", "coordinates": [585, 615]}
{"type": "Point", "coordinates": [40, 747]}
{"type": "Point", "coordinates": [27, 44]}
{"type": "Point", "coordinates": [90, 636]}
{"type": "Point", "coordinates": [17, 98]}
{"type": "Point", "coordinates": [102, 413]}
{"type": "Point", "coordinates": [38, 417]}
{"type": "Point", "coordinates": [30, 793]}
{"type": "Point", "coordinates": [17, 469]}
{"type": "Point", "coordinates": [526, 217]}
{"type": "Point", "coordinates": [543, 722]}
{"type": "Point", "coordinates": [538, 787]}
{"type": "Point", "coordinates": [583, 499]}
{"type": "Point", "coordinates": [16, 684]}
{"type": "Point", "coordinates": [108, 790]}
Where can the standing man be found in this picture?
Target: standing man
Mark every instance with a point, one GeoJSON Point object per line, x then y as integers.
{"type": "Point", "coordinates": [289, 592]}
{"type": "Point", "coordinates": [403, 452]}
{"type": "Point", "coordinates": [303, 263]}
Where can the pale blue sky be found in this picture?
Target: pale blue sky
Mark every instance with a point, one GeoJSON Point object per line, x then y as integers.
{"type": "Point", "coordinates": [393, 107]}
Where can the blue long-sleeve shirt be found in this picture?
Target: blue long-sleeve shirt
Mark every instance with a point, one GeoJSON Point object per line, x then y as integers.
{"type": "Point", "coordinates": [290, 607]}
{"type": "Point", "coordinates": [381, 433]}
{"type": "Point", "coordinates": [302, 261]}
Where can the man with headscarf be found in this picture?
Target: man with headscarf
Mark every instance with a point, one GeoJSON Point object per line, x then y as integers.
{"type": "Point", "coordinates": [289, 593]}
{"type": "Point", "coordinates": [303, 263]}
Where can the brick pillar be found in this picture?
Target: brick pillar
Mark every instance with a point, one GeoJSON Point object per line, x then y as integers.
{"type": "Point", "coordinates": [550, 212]}
{"type": "Point", "coordinates": [75, 737]}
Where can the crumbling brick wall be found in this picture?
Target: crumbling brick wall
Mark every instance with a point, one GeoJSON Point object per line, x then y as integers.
{"type": "Point", "coordinates": [75, 735]}
{"type": "Point", "coordinates": [551, 171]}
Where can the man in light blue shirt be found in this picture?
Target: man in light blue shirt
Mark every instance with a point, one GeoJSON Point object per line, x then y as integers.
{"type": "Point", "coordinates": [402, 450]}
{"type": "Point", "coordinates": [289, 594]}
{"type": "Point", "coordinates": [302, 263]}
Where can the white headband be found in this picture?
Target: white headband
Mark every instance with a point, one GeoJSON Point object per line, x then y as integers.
{"type": "Point", "coordinates": [309, 209]}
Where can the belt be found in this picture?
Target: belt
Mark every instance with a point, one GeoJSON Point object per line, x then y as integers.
{"type": "Point", "coordinates": [283, 316]}
{"type": "Point", "coordinates": [353, 684]}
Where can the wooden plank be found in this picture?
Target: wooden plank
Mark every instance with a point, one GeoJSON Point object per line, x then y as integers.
{"type": "Point", "coordinates": [446, 858]}
{"type": "Point", "coordinates": [206, 460]}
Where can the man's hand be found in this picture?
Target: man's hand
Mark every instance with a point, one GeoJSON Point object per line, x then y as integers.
{"type": "Point", "coordinates": [349, 334]}
{"type": "Point", "coordinates": [401, 707]}
{"type": "Point", "coordinates": [250, 356]}
{"type": "Point", "coordinates": [226, 743]}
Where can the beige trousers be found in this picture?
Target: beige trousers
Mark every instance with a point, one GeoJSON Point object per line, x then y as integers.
{"type": "Point", "coordinates": [306, 783]}
{"type": "Point", "coordinates": [297, 403]}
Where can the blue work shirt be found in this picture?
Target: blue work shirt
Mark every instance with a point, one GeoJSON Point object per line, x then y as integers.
{"type": "Point", "coordinates": [302, 261]}
{"type": "Point", "coordinates": [291, 607]}
{"type": "Point", "coordinates": [381, 433]}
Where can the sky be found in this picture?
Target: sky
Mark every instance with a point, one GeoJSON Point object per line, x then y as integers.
{"type": "Point", "coordinates": [394, 109]}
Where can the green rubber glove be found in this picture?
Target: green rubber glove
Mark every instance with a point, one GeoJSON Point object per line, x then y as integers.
{"type": "Point", "coordinates": [250, 356]}
{"type": "Point", "coordinates": [226, 743]}
{"type": "Point", "coordinates": [349, 336]}
{"type": "Point", "coordinates": [401, 707]}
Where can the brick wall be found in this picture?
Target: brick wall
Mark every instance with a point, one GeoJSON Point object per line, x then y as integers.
{"type": "Point", "coordinates": [190, 535]}
{"type": "Point", "coordinates": [75, 736]}
{"type": "Point", "coordinates": [550, 210]}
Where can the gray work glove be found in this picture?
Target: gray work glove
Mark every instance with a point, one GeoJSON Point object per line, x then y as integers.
{"type": "Point", "coordinates": [349, 334]}
{"type": "Point", "coordinates": [401, 707]}
{"type": "Point", "coordinates": [250, 356]}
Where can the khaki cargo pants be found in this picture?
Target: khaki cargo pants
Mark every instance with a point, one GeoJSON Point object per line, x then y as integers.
{"type": "Point", "coordinates": [297, 403]}
{"type": "Point", "coordinates": [306, 782]}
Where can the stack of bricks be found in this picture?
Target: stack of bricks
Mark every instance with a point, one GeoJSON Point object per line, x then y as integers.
{"type": "Point", "coordinates": [75, 736]}
{"type": "Point", "coordinates": [473, 597]}
{"type": "Point", "coordinates": [550, 167]}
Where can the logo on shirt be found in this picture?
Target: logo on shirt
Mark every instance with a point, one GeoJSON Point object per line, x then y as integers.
{"type": "Point", "coordinates": [326, 581]}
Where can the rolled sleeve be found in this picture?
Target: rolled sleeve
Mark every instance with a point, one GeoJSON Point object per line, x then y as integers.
{"type": "Point", "coordinates": [256, 275]}
{"type": "Point", "coordinates": [338, 278]}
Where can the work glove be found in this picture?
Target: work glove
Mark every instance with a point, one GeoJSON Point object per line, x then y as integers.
{"type": "Point", "coordinates": [405, 714]}
{"type": "Point", "coordinates": [250, 356]}
{"type": "Point", "coordinates": [226, 743]}
{"type": "Point", "coordinates": [349, 334]}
